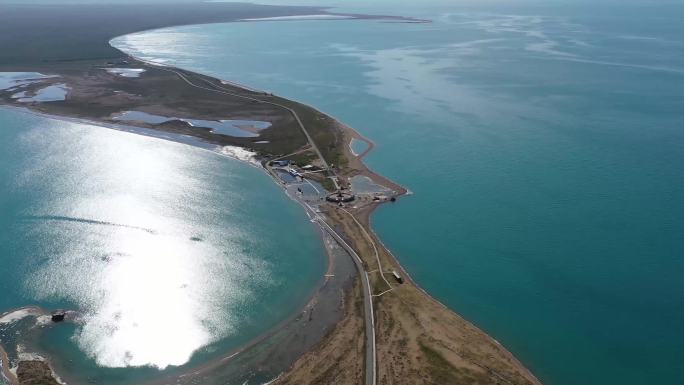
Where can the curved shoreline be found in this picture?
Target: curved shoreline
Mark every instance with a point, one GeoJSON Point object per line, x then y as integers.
{"type": "Point", "coordinates": [4, 368]}
{"type": "Point", "coordinates": [42, 318]}
{"type": "Point", "coordinates": [309, 302]}
{"type": "Point", "coordinates": [366, 218]}
{"type": "Point", "coordinates": [365, 213]}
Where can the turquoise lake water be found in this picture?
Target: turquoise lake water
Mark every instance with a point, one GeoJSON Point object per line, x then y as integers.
{"type": "Point", "coordinates": [167, 250]}
{"type": "Point", "coordinates": [544, 146]}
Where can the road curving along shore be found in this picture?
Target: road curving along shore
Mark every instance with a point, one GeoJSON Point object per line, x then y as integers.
{"type": "Point", "coordinates": [377, 330]}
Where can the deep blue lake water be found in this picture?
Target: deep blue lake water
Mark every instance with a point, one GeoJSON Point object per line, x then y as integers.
{"type": "Point", "coordinates": [544, 146]}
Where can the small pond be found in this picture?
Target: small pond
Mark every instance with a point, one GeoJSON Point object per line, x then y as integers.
{"type": "Point", "coordinates": [53, 93]}
{"type": "Point", "coordinates": [358, 146]}
{"type": "Point", "coordinates": [236, 128]}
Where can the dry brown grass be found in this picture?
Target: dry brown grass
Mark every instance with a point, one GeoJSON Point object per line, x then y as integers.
{"type": "Point", "coordinates": [419, 341]}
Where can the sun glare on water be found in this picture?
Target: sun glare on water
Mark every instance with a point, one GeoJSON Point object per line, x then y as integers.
{"type": "Point", "coordinates": [134, 247]}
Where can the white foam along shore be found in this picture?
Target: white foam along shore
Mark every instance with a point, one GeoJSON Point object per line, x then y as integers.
{"type": "Point", "coordinates": [19, 314]}
{"type": "Point", "coordinates": [42, 316]}
{"type": "Point", "coordinates": [240, 154]}
{"type": "Point", "coordinates": [234, 152]}
{"type": "Point", "coordinates": [126, 72]}
{"type": "Point", "coordinates": [9, 373]}
{"type": "Point", "coordinates": [300, 17]}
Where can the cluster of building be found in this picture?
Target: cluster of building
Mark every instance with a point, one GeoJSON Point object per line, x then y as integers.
{"type": "Point", "coordinates": [340, 196]}
{"type": "Point", "coordinates": [287, 166]}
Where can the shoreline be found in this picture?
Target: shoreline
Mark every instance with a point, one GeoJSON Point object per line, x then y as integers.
{"type": "Point", "coordinates": [312, 298]}
{"type": "Point", "coordinates": [366, 217]}
{"type": "Point", "coordinates": [384, 258]}
{"type": "Point", "coordinates": [35, 364]}
{"type": "Point", "coordinates": [291, 321]}
{"type": "Point", "coordinates": [217, 150]}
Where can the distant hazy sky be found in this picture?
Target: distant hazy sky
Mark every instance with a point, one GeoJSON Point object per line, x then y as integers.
{"type": "Point", "coordinates": [274, 2]}
{"type": "Point", "coordinates": [342, 2]}
{"type": "Point", "coordinates": [290, 2]}
{"type": "Point", "coordinates": [357, 3]}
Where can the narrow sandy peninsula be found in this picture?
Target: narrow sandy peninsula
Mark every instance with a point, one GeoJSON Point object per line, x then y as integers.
{"type": "Point", "coordinates": [367, 322]}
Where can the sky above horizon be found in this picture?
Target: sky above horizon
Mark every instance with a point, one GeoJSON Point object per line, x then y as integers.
{"type": "Point", "coordinates": [341, 2]}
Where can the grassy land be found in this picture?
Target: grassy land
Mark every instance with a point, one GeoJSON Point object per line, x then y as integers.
{"type": "Point", "coordinates": [303, 158]}
{"type": "Point", "coordinates": [69, 35]}
{"type": "Point", "coordinates": [418, 340]}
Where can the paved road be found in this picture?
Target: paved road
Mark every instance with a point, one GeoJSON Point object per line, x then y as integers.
{"type": "Point", "coordinates": [225, 91]}
{"type": "Point", "coordinates": [370, 378]}
{"type": "Point", "coordinates": [367, 302]}
{"type": "Point", "coordinates": [218, 88]}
